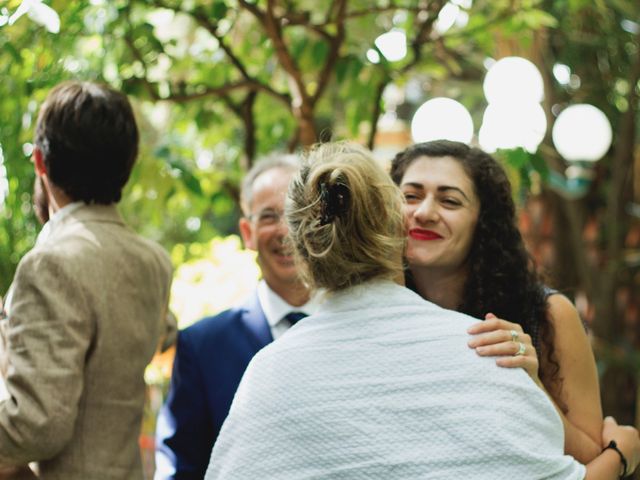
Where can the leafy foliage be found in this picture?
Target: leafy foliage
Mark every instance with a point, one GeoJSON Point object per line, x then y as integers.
{"type": "Point", "coordinates": [217, 83]}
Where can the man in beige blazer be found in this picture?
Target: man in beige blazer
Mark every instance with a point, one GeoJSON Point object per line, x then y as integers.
{"type": "Point", "coordinates": [89, 303]}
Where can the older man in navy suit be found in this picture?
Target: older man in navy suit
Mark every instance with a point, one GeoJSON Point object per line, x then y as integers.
{"type": "Point", "coordinates": [212, 354]}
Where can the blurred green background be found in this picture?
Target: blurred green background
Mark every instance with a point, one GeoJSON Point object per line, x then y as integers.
{"type": "Point", "coordinates": [217, 83]}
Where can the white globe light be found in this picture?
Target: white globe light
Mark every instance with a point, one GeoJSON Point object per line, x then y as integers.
{"type": "Point", "coordinates": [393, 45]}
{"type": "Point", "coordinates": [513, 79]}
{"type": "Point", "coordinates": [446, 18]}
{"type": "Point", "coordinates": [373, 56]}
{"type": "Point", "coordinates": [442, 119]}
{"type": "Point", "coordinates": [582, 133]}
{"type": "Point", "coordinates": [512, 125]}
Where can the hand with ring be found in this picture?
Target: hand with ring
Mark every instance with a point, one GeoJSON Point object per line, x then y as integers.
{"type": "Point", "coordinates": [506, 340]}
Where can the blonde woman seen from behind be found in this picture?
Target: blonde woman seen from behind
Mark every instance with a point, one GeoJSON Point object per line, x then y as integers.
{"type": "Point", "coordinates": [379, 383]}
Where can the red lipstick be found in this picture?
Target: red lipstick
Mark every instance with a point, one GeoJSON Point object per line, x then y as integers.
{"type": "Point", "coordinates": [421, 234]}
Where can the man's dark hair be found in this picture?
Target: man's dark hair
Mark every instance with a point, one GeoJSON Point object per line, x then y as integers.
{"type": "Point", "coordinates": [88, 137]}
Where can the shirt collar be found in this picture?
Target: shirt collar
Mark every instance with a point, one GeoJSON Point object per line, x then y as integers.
{"type": "Point", "coordinates": [55, 219]}
{"type": "Point", "coordinates": [275, 307]}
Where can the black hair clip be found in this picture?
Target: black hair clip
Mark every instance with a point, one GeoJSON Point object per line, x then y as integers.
{"type": "Point", "coordinates": [333, 199]}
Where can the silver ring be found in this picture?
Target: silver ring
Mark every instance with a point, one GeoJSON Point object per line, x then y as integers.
{"type": "Point", "coordinates": [521, 349]}
{"type": "Point", "coordinates": [514, 335]}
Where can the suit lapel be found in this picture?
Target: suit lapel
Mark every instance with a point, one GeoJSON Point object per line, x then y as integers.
{"type": "Point", "coordinates": [255, 322]}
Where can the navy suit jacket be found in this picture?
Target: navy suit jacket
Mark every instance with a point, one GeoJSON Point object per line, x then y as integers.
{"type": "Point", "coordinates": [211, 357]}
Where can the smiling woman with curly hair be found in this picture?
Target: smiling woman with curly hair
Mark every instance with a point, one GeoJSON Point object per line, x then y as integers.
{"type": "Point", "coordinates": [466, 253]}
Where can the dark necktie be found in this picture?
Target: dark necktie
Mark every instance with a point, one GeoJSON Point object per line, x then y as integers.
{"type": "Point", "coordinates": [293, 317]}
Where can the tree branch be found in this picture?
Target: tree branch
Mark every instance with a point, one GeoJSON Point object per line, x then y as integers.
{"type": "Point", "coordinates": [303, 19]}
{"type": "Point", "coordinates": [330, 12]}
{"type": "Point", "coordinates": [505, 14]}
{"type": "Point", "coordinates": [211, 28]}
{"type": "Point", "coordinates": [237, 109]}
{"type": "Point", "coordinates": [259, 14]}
{"type": "Point", "coordinates": [301, 104]}
{"type": "Point", "coordinates": [445, 55]}
{"type": "Point", "coordinates": [274, 31]}
{"type": "Point", "coordinates": [137, 54]}
{"type": "Point", "coordinates": [377, 109]}
{"type": "Point", "coordinates": [293, 19]}
{"type": "Point", "coordinates": [334, 51]}
{"type": "Point", "coordinates": [210, 91]}
{"type": "Point", "coordinates": [248, 118]}
{"type": "Point", "coordinates": [232, 190]}
{"type": "Point", "coordinates": [205, 23]}
{"type": "Point", "coordinates": [377, 10]}
{"type": "Point", "coordinates": [423, 33]}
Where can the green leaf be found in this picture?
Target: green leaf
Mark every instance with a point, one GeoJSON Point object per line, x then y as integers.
{"type": "Point", "coordinates": [539, 165]}
{"type": "Point", "coordinates": [525, 180]}
{"type": "Point", "coordinates": [163, 152]}
{"type": "Point", "coordinates": [187, 177]}
{"type": "Point", "coordinates": [355, 67]}
{"type": "Point", "coordinates": [537, 19]}
{"type": "Point", "coordinates": [342, 66]}
{"type": "Point", "coordinates": [319, 52]}
{"type": "Point", "coordinates": [219, 10]}
{"type": "Point", "coordinates": [299, 46]}
{"type": "Point", "coordinates": [169, 193]}
{"type": "Point", "coordinates": [517, 158]}
{"type": "Point", "coordinates": [12, 51]}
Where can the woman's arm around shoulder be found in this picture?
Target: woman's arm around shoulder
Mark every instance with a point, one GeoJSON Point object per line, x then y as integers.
{"type": "Point", "coordinates": [578, 390]}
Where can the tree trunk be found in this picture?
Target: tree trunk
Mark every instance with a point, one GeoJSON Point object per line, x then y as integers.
{"type": "Point", "coordinates": [249, 121]}
{"type": "Point", "coordinates": [307, 134]}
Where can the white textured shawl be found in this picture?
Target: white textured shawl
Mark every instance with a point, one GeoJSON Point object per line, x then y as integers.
{"type": "Point", "coordinates": [381, 384]}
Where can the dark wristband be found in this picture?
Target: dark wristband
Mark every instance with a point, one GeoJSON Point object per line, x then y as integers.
{"type": "Point", "coordinates": [614, 446]}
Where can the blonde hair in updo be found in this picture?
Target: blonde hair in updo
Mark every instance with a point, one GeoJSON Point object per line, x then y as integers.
{"type": "Point", "coordinates": [365, 239]}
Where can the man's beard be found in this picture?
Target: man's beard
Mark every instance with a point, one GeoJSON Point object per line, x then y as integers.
{"type": "Point", "coordinates": [40, 200]}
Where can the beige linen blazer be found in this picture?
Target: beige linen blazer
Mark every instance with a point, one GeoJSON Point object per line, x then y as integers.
{"type": "Point", "coordinates": [89, 309]}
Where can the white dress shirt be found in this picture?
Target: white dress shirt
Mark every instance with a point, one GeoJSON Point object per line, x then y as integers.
{"type": "Point", "coordinates": [275, 308]}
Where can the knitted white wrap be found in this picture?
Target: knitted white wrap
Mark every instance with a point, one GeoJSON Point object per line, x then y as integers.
{"type": "Point", "coordinates": [382, 385]}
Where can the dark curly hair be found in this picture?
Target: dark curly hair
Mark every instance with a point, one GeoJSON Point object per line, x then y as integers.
{"type": "Point", "coordinates": [88, 137]}
{"type": "Point", "coordinates": [502, 277]}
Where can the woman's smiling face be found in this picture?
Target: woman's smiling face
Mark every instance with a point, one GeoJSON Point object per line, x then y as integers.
{"type": "Point", "coordinates": [441, 212]}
